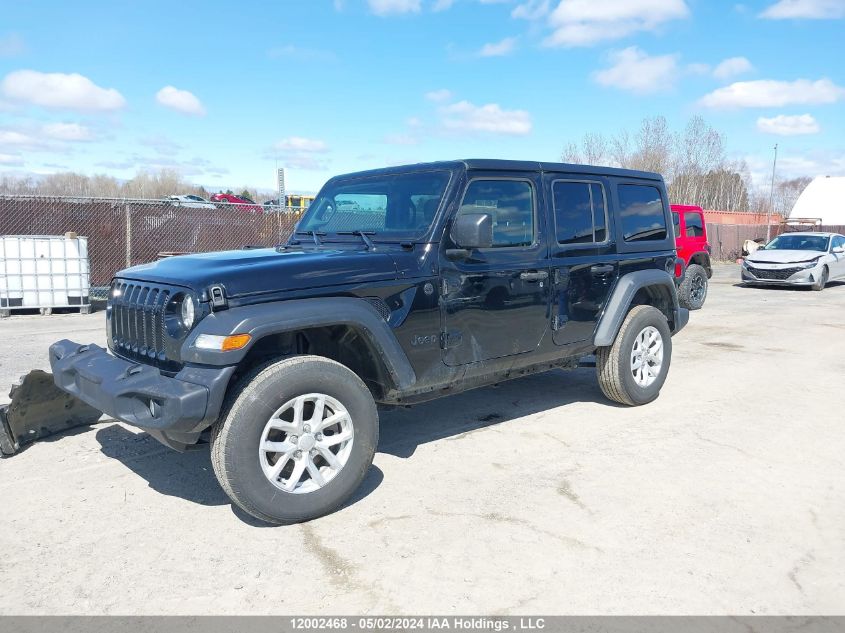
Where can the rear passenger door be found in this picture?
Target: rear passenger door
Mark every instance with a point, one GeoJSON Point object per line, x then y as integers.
{"type": "Point", "coordinates": [584, 269]}
{"type": "Point", "coordinates": [694, 231]}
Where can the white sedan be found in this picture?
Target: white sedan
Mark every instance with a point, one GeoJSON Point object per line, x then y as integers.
{"type": "Point", "coordinates": [797, 259]}
{"type": "Point", "coordinates": [191, 201]}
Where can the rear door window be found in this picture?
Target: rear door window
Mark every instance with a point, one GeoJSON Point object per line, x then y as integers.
{"type": "Point", "coordinates": [580, 211]}
{"type": "Point", "coordinates": [694, 225]}
{"type": "Point", "coordinates": [642, 214]}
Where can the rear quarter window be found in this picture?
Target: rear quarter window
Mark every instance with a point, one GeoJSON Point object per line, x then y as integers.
{"type": "Point", "coordinates": [641, 213]}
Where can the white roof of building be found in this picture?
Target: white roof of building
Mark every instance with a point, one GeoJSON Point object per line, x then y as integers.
{"type": "Point", "coordinates": [823, 198]}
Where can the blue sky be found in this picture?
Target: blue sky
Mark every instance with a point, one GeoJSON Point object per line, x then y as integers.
{"type": "Point", "coordinates": [221, 91]}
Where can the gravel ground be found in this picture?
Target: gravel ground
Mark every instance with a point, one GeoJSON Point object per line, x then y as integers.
{"type": "Point", "coordinates": [725, 496]}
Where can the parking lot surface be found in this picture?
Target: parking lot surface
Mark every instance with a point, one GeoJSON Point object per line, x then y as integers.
{"type": "Point", "coordinates": [725, 496]}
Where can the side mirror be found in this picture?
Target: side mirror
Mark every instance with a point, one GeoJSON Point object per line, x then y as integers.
{"type": "Point", "coordinates": [839, 249]}
{"type": "Point", "coordinates": [473, 230]}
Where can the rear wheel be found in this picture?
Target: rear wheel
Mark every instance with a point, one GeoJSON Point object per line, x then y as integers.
{"type": "Point", "coordinates": [822, 282]}
{"type": "Point", "coordinates": [295, 440]}
{"type": "Point", "coordinates": [634, 368]}
{"type": "Point", "coordinates": [693, 290]}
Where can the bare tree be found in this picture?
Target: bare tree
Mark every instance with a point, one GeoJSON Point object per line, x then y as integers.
{"type": "Point", "coordinates": [693, 162]}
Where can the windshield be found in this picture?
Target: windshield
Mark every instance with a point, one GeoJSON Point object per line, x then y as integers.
{"type": "Point", "coordinates": [392, 205]}
{"type": "Point", "coordinates": [798, 243]}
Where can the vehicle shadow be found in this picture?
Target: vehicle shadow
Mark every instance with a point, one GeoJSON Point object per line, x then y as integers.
{"type": "Point", "coordinates": [770, 288]}
{"type": "Point", "coordinates": [403, 430]}
{"type": "Point", "coordinates": [186, 475]}
{"type": "Point", "coordinates": [190, 475]}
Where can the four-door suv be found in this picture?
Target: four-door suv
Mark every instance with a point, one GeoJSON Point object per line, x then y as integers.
{"type": "Point", "coordinates": [399, 285]}
{"type": "Point", "coordinates": [693, 248]}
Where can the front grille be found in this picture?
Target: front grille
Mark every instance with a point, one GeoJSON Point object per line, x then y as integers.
{"type": "Point", "coordinates": [779, 273]}
{"type": "Point", "coordinates": [138, 322]}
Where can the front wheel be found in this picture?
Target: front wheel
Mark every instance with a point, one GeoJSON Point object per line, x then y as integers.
{"type": "Point", "coordinates": [295, 439]}
{"type": "Point", "coordinates": [634, 368]}
{"type": "Point", "coordinates": [693, 289]}
{"type": "Point", "coordinates": [822, 282]}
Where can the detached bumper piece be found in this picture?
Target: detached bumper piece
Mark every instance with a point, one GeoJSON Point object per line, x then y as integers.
{"type": "Point", "coordinates": [39, 409]}
{"type": "Point", "coordinates": [137, 394]}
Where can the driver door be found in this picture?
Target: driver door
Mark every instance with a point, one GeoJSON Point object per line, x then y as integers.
{"type": "Point", "coordinates": [495, 301]}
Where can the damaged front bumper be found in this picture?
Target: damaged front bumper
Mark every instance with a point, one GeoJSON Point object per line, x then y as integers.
{"type": "Point", "coordinates": [175, 410]}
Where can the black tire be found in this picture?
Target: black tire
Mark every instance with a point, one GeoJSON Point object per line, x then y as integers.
{"type": "Point", "coordinates": [613, 363]}
{"type": "Point", "coordinates": [693, 289]}
{"type": "Point", "coordinates": [822, 282]}
{"type": "Point", "coordinates": [235, 438]}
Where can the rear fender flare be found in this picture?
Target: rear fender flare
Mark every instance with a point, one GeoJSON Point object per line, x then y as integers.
{"type": "Point", "coordinates": [620, 302]}
{"type": "Point", "coordinates": [297, 314]}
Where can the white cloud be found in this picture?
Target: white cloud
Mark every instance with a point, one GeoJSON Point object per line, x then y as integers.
{"type": "Point", "coordinates": [786, 125]}
{"type": "Point", "coordinates": [394, 7]}
{"type": "Point", "coordinates": [767, 93]}
{"type": "Point", "coordinates": [439, 96]}
{"type": "Point", "coordinates": [11, 45]}
{"type": "Point", "coordinates": [302, 144]}
{"type": "Point", "coordinates": [414, 121]}
{"type": "Point", "coordinates": [67, 132]}
{"type": "Point", "coordinates": [59, 90]}
{"type": "Point", "coordinates": [635, 71]}
{"type": "Point", "coordinates": [731, 67]}
{"type": "Point", "coordinates": [498, 49]}
{"type": "Point", "coordinates": [531, 10]}
{"type": "Point", "coordinates": [180, 100]}
{"type": "Point", "coordinates": [805, 9]}
{"type": "Point", "coordinates": [442, 5]}
{"type": "Point", "coordinates": [299, 152]}
{"type": "Point", "coordinates": [489, 118]}
{"type": "Point", "coordinates": [13, 138]}
{"type": "Point", "coordinates": [11, 159]}
{"type": "Point", "coordinates": [54, 137]}
{"type": "Point", "coordinates": [587, 22]}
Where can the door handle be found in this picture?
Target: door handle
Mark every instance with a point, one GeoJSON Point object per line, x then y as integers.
{"type": "Point", "coordinates": [601, 269]}
{"type": "Point", "coordinates": [534, 276]}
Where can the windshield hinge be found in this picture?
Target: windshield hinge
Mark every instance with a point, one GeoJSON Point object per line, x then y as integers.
{"type": "Point", "coordinates": [217, 297]}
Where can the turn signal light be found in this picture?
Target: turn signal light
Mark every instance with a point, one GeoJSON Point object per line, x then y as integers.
{"type": "Point", "coordinates": [235, 341]}
{"type": "Point", "coordinates": [222, 343]}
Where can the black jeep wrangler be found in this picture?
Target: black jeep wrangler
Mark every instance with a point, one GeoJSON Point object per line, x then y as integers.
{"type": "Point", "coordinates": [399, 285]}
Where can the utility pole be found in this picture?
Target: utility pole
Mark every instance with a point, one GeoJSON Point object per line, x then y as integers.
{"type": "Point", "coordinates": [771, 198]}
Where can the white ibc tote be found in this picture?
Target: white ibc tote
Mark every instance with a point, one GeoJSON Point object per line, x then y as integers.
{"type": "Point", "coordinates": [44, 272]}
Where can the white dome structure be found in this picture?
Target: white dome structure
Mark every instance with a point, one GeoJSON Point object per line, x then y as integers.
{"type": "Point", "coordinates": [823, 198]}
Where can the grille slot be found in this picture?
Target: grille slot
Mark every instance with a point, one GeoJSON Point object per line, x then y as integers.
{"type": "Point", "coordinates": [138, 323]}
{"type": "Point", "coordinates": [380, 306]}
{"type": "Point", "coordinates": [779, 274]}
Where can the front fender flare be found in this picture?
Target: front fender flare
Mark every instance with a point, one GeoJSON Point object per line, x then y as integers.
{"type": "Point", "coordinates": [620, 301]}
{"type": "Point", "coordinates": [296, 314]}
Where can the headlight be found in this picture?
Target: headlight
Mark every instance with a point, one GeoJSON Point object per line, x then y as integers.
{"type": "Point", "coordinates": [811, 264]}
{"type": "Point", "coordinates": [188, 312]}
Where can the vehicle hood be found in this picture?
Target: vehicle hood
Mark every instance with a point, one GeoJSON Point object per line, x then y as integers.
{"type": "Point", "coordinates": [253, 271]}
{"type": "Point", "coordinates": [783, 257]}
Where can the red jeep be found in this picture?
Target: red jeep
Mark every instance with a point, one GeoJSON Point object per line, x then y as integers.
{"type": "Point", "coordinates": [691, 242]}
{"type": "Point", "coordinates": [244, 204]}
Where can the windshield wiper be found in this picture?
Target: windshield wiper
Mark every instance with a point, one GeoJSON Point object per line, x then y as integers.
{"type": "Point", "coordinates": [364, 235]}
{"type": "Point", "coordinates": [314, 235]}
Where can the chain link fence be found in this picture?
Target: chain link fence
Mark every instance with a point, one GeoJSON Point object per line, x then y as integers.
{"type": "Point", "coordinates": [124, 233]}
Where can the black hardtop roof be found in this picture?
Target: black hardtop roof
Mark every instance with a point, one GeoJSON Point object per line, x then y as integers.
{"type": "Point", "coordinates": [494, 164]}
